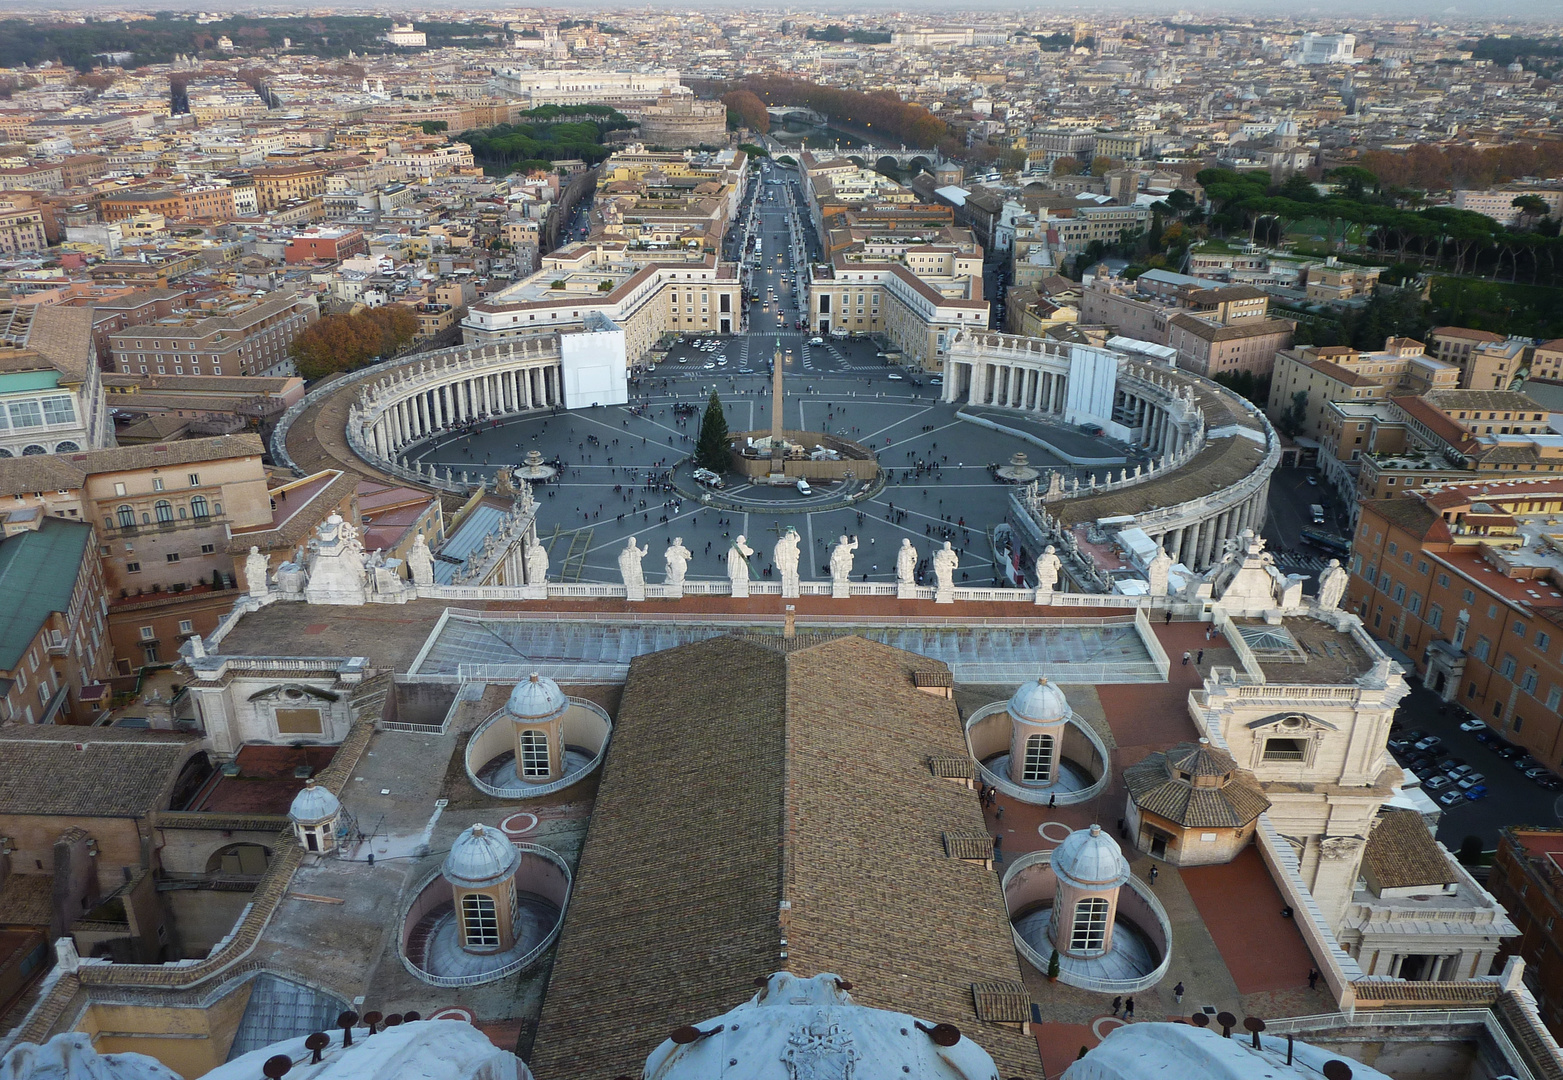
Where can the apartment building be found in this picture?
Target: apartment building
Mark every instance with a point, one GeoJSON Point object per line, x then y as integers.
{"type": "Point", "coordinates": [1217, 329]}
{"type": "Point", "coordinates": [919, 296]}
{"type": "Point", "coordinates": [1467, 579]}
{"type": "Point", "coordinates": [1335, 282]}
{"type": "Point", "coordinates": [1340, 373]}
{"type": "Point", "coordinates": [246, 336]}
{"type": "Point", "coordinates": [1527, 879]}
{"type": "Point", "coordinates": [1498, 203]}
{"type": "Point", "coordinates": [213, 202]}
{"type": "Point", "coordinates": [1415, 442]}
{"type": "Point", "coordinates": [163, 515]}
{"type": "Point", "coordinates": [1487, 361]}
{"type": "Point", "coordinates": [54, 641]}
{"type": "Point", "coordinates": [649, 294]}
{"type": "Point", "coordinates": [51, 390]}
{"type": "Point", "coordinates": [325, 245]}
{"type": "Point", "coordinates": [1546, 364]}
{"type": "Point", "coordinates": [287, 183]}
{"type": "Point", "coordinates": [22, 232]}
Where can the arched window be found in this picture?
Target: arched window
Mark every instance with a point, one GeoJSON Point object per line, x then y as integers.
{"type": "Point", "coordinates": [4, 453]}
{"type": "Point", "coordinates": [1039, 759]}
{"type": "Point", "coordinates": [164, 510]}
{"type": "Point", "coordinates": [127, 517]}
{"type": "Point", "coordinates": [479, 922]}
{"type": "Point", "coordinates": [534, 753]}
{"type": "Point", "coordinates": [33, 450]}
{"type": "Point", "coordinates": [66, 447]}
{"type": "Point", "coordinates": [198, 506]}
{"type": "Point", "coordinates": [1090, 928]}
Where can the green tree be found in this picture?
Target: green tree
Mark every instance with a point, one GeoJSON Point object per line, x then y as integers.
{"type": "Point", "coordinates": [711, 450]}
{"type": "Point", "coordinates": [1532, 208]}
{"type": "Point", "coordinates": [1067, 166]}
{"type": "Point", "coordinates": [433, 127]}
{"type": "Point", "coordinates": [1353, 179]}
{"type": "Point", "coordinates": [1292, 420]}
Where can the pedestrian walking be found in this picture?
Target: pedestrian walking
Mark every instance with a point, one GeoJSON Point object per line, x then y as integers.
{"type": "Point", "coordinates": [1128, 1009]}
{"type": "Point", "coordinates": [1313, 978]}
{"type": "Point", "coordinates": [1169, 619]}
{"type": "Point", "coordinates": [1052, 800]}
{"type": "Point", "coordinates": [1155, 873]}
{"type": "Point", "coordinates": [1117, 1004]}
{"type": "Point", "coordinates": [1185, 658]}
{"type": "Point", "coordinates": [1200, 659]}
{"type": "Point", "coordinates": [1177, 993]}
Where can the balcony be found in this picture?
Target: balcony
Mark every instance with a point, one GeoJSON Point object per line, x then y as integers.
{"type": "Point", "coordinates": [177, 525]}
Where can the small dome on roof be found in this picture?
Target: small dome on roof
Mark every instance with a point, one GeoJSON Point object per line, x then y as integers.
{"type": "Point", "coordinates": [314, 805]}
{"type": "Point", "coordinates": [1090, 859]}
{"type": "Point", "coordinates": [538, 698]}
{"type": "Point", "coordinates": [481, 857]}
{"type": "Point", "coordinates": [1040, 702]}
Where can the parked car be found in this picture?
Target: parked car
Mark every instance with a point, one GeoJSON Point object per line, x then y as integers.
{"type": "Point", "coordinates": [1449, 798]}
{"type": "Point", "coordinates": [1508, 751]}
{"type": "Point", "coordinates": [1486, 736]}
{"type": "Point", "coordinates": [803, 487]}
{"type": "Point", "coordinates": [1471, 780]}
{"type": "Point", "coordinates": [1399, 745]}
{"type": "Point", "coordinates": [1454, 772]}
{"type": "Point", "coordinates": [896, 376]}
{"type": "Point", "coordinates": [1437, 783]}
{"type": "Point", "coordinates": [1429, 742]}
{"type": "Point", "coordinates": [1476, 792]}
{"type": "Point", "coordinates": [1538, 771]}
{"type": "Point", "coordinates": [1473, 725]}
{"type": "Point", "coordinates": [1524, 762]}
{"type": "Point", "coordinates": [1549, 783]}
{"type": "Point", "coordinates": [1416, 734]}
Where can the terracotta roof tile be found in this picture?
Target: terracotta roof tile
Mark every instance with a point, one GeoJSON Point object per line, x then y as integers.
{"type": "Point", "coordinates": [1401, 853]}
{"type": "Point", "coordinates": [745, 774]}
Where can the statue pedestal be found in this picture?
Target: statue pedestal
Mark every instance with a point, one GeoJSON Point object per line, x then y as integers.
{"type": "Point", "coordinates": [741, 588]}
{"type": "Point", "coordinates": [789, 588]}
{"type": "Point", "coordinates": [635, 592]}
{"type": "Point", "coordinates": [1044, 596]}
{"type": "Point", "coordinates": [840, 590]}
{"type": "Point", "coordinates": [777, 479]}
{"type": "Point", "coordinates": [905, 590]}
{"type": "Point", "coordinates": [944, 596]}
{"type": "Point", "coordinates": [538, 591]}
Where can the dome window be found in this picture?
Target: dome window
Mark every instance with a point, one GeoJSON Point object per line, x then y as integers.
{"type": "Point", "coordinates": [1039, 759]}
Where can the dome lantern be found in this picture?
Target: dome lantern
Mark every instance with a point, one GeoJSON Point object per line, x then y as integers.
{"type": "Point", "coordinates": [314, 814]}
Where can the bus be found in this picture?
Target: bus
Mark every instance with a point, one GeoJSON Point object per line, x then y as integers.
{"type": "Point", "coordinates": [1335, 545]}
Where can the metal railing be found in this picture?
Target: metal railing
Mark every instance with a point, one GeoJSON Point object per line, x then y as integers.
{"type": "Point", "coordinates": [1043, 796]}
{"type": "Point", "coordinates": [537, 791]}
{"type": "Point", "coordinates": [521, 963]}
{"type": "Point", "coordinates": [1089, 982]}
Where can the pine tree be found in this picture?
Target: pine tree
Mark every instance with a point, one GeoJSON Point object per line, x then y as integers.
{"type": "Point", "coordinates": [711, 451]}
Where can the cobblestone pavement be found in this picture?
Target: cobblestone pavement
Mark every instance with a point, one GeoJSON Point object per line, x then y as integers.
{"type": "Point", "coordinates": [609, 451]}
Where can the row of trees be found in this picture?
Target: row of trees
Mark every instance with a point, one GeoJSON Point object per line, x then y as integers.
{"type": "Point", "coordinates": [158, 40]}
{"type": "Point", "coordinates": [1433, 168]}
{"type": "Point", "coordinates": [348, 342]}
{"type": "Point", "coordinates": [1362, 213]}
{"type": "Point", "coordinates": [880, 111]}
{"type": "Point", "coordinates": [523, 147]}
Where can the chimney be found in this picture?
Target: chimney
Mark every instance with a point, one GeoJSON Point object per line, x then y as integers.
{"type": "Point", "coordinates": [790, 627]}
